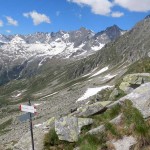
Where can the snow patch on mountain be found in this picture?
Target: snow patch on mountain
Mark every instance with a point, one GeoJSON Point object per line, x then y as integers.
{"type": "Point", "coordinates": [92, 91]}
{"type": "Point", "coordinates": [109, 76]}
{"type": "Point", "coordinates": [100, 71]}
{"type": "Point", "coordinates": [96, 48]}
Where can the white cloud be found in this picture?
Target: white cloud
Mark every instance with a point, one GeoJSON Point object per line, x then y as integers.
{"type": "Point", "coordinates": [134, 5]}
{"type": "Point", "coordinates": [57, 13]}
{"type": "Point", "coordinates": [37, 17]}
{"type": "Point", "coordinates": [117, 14]}
{"type": "Point", "coordinates": [8, 31]}
{"type": "Point", "coordinates": [1, 23]}
{"type": "Point", "coordinates": [11, 21]}
{"type": "Point", "coordinates": [100, 7]}
{"type": "Point", "coordinates": [104, 7]}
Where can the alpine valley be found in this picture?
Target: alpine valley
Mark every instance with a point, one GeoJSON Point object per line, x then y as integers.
{"type": "Point", "coordinates": [90, 89]}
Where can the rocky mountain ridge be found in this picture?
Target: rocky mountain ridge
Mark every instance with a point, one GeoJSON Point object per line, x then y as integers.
{"type": "Point", "coordinates": [129, 48]}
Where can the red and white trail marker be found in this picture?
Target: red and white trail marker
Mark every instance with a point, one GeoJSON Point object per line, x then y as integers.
{"type": "Point", "coordinates": [26, 108]}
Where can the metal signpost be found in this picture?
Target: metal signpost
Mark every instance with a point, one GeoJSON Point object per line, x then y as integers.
{"type": "Point", "coordinates": [30, 109]}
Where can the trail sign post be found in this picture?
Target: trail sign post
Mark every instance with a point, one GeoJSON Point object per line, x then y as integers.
{"type": "Point", "coordinates": [29, 109]}
{"type": "Point", "coordinates": [26, 108]}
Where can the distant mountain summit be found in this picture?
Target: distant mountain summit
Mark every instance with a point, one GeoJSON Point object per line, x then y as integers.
{"type": "Point", "coordinates": [147, 17]}
{"type": "Point", "coordinates": [110, 34]}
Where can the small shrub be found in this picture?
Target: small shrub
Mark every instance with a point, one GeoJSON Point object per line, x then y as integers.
{"type": "Point", "coordinates": [114, 111]}
{"type": "Point", "coordinates": [4, 125]}
{"type": "Point", "coordinates": [120, 94]}
{"type": "Point", "coordinates": [51, 139]}
{"type": "Point", "coordinates": [88, 146]}
{"type": "Point", "coordinates": [85, 129]}
{"type": "Point", "coordinates": [112, 129]}
{"type": "Point", "coordinates": [67, 145]}
{"type": "Point", "coordinates": [88, 142]}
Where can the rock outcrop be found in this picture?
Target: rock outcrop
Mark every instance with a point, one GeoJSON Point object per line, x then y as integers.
{"type": "Point", "coordinates": [132, 81]}
{"type": "Point", "coordinates": [140, 98]}
{"type": "Point", "coordinates": [89, 110]}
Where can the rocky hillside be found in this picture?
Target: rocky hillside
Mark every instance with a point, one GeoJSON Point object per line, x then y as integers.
{"type": "Point", "coordinates": [129, 48]}
{"type": "Point", "coordinates": [120, 121]}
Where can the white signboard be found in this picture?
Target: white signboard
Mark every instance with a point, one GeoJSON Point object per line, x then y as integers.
{"type": "Point", "coordinates": [27, 108]}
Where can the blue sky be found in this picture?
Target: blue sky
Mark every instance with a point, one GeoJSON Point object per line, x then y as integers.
{"type": "Point", "coordinates": [29, 16]}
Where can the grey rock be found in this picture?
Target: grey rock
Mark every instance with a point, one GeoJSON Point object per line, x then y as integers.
{"type": "Point", "coordinates": [116, 120]}
{"type": "Point", "coordinates": [125, 86]}
{"type": "Point", "coordinates": [125, 143]}
{"type": "Point", "coordinates": [77, 148]}
{"type": "Point", "coordinates": [132, 81]}
{"type": "Point", "coordinates": [84, 122]}
{"type": "Point", "coordinates": [89, 110]}
{"type": "Point", "coordinates": [97, 130]}
{"type": "Point", "coordinates": [67, 129]}
{"type": "Point", "coordinates": [113, 95]}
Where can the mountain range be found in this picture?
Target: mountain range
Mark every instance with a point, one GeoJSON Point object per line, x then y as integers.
{"type": "Point", "coordinates": [17, 52]}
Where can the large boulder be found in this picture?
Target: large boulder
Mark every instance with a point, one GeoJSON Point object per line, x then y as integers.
{"type": "Point", "coordinates": [132, 81]}
{"type": "Point", "coordinates": [89, 110]}
{"type": "Point", "coordinates": [67, 128]}
{"type": "Point", "coordinates": [140, 98]}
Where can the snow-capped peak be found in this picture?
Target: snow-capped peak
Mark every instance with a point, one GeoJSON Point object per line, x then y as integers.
{"type": "Point", "coordinates": [17, 40]}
